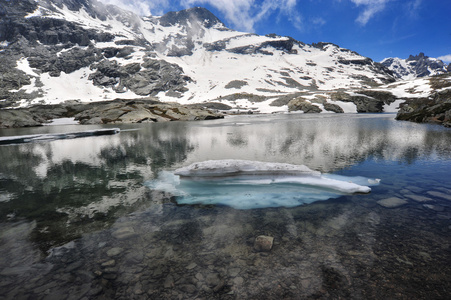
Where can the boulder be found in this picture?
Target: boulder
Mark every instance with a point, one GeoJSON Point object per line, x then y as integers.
{"type": "Point", "coordinates": [364, 103]}
{"type": "Point", "coordinates": [300, 103]}
{"type": "Point", "coordinates": [333, 107]}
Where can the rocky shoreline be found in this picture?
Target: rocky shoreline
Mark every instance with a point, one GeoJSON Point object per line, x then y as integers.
{"type": "Point", "coordinates": [436, 109]}
{"type": "Point", "coordinates": [118, 111]}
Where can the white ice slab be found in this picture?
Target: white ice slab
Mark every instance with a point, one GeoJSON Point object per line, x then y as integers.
{"type": "Point", "coordinates": [246, 184]}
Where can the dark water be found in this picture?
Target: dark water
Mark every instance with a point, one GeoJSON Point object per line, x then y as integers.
{"type": "Point", "coordinates": [77, 220]}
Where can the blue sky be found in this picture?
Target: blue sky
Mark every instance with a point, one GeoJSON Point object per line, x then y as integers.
{"type": "Point", "coordinates": [373, 28]}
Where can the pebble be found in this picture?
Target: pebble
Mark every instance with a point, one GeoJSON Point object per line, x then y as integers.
{"type": "Point", "coordinates": [168, 282]}
{"type": "Point", "coordinates": [191, 266]}
{"type": "Point", "coordinates": [238, 280]}
{"type": "Point", "coordinates": [233, 272]}
{"type": "Point", "coordinates": [114, 252]}
{"type": "Point", "coordinates": [124, 233]}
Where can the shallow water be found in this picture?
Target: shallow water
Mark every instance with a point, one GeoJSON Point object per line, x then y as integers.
{"type": "Point", "coordinates": [78, 221]}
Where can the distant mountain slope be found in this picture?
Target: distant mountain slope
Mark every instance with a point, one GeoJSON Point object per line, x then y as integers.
{"type": "Point", "coordinates": [57, 50]}
{"type": "Point", "coordinates": [416, 66]}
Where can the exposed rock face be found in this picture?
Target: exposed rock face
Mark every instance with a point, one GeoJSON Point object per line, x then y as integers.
{"type": "Point", "coordinates": [148, 78]}
{"type": "Point", "coordinates": [366, 101]}
{"type": "Point", "coordinates": [428, 110]}
{"type": "Point", "coordinates": [110, 112]}
{"type": "Point", "coordinates": [193, 14]}
{"type": "Point", "coordinates": [415, 66]}
{"type": "Point", "coordinates": [304, 105]}
{"type": "Point", "coordinates": [19, 118]}
{"type": "Point", "coordinates": [142, 112]}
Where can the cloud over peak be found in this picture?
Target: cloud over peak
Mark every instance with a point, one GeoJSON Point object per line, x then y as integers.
{"type": "Point", "coordinates": [371, 7]}
{"type": "Point", "coordinates": [445, 58]}
{"type": "Point", "coordinates": [245, 14]}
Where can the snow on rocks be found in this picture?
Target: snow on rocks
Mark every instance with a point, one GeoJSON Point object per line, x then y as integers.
{"type": "Point", "coordinates": [233, 167]}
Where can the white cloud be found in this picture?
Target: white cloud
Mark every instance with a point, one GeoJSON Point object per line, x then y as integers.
{"type": "Point", "coordinates": [318, 21]}
{"type": "Point", "coordinates": [445, 58]}
{"type": "Point", "coordinates": [244, 14]}
{"type": "Point", "coordinates": [141, 7]}
{"type": "Point", "coordinates": [371, 7]}
{"type": "Point", "coordinates": [240, 14]}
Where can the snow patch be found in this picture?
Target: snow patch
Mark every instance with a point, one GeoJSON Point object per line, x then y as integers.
{"type": "Point", "coordinates": [24, 65]}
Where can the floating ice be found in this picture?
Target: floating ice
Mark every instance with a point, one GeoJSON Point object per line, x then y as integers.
{"type": "Point", "coordinates": [250, 184]}
{"type": "Point", "coordinates": [21, 139]}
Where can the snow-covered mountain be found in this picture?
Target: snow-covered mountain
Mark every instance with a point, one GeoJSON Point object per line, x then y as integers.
{"type": "Point", "coordinates": [57, 50]}
{"type": "Point", "coordinates": [416, 66]}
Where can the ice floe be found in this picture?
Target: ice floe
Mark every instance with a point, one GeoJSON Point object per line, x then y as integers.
{"type": "Point", "coordinates": [244, 184]}
{"type": "Point", "coordinates": [21, 139]}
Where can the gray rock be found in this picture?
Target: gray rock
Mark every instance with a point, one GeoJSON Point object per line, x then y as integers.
{"type": "Point", "coordinates": [124, 233]}
{"type": "Point", "coordinates": [418, 198]}
{"type": "Point", "coordinates": [168, 282]}
{"type": "Point", "coordinates": [304, 105]}
{"type": "Point", "coordinates": [114, 252]}
{"type": "Point", "coordinates": [333, 107]}
{"type": "Point", "coordinates": [364, 103]}
{"type": "Point", "coordinates": [236, 84]}
{"type": "Point", "coordinates": [426, 110]}
{"type": "Point", "coordinates": [19, 118]}
{"type": "Point", "coordinates": [437, 208]}
{"type": "Point", "coordinates": [440, 195]}
{"type": "Point", "coordinates": [213, 279]}
{"type": "Point", "coordinates": [108, 264]}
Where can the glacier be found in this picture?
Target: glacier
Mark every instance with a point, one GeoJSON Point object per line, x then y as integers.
{"type": "Point", "coordinates": [244, 184]}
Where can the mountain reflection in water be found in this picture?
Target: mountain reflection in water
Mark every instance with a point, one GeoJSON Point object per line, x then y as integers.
{"type": "Point", "coordinates": [76, 218]}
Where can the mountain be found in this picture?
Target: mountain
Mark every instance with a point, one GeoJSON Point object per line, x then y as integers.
{"type": "Point", "coordinates": [57, 50]}
{"type": "Point", "coordinates": [52, 51]}
{"type": "Point", "coordinates": [415, 66]}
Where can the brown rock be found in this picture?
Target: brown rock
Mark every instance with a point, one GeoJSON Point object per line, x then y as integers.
{"type": "Point", "coordinates": [263, 243]}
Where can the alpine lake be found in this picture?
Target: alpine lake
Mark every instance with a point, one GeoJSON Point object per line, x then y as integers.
{"type": "Point", "coordinates": [79, 219]}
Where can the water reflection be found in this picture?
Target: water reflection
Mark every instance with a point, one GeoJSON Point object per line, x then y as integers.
{"type": "Point", "coordinates": [85, 201]}
{"type": "Point", "coordinates": [90, 176]}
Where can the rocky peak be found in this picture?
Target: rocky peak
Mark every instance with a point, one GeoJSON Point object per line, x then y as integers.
{"type": "Point", "coordinates": [417, 57]}
{"type": "Point", "coordinates": [191, 15]}
{"type": "Point", "coordinates": [415, 66]}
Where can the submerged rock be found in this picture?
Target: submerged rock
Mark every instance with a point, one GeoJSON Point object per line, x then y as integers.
{"type": "Point", "coordinates": [391, 202]}
{"type": "Point", "coordinates": [263, 243]}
